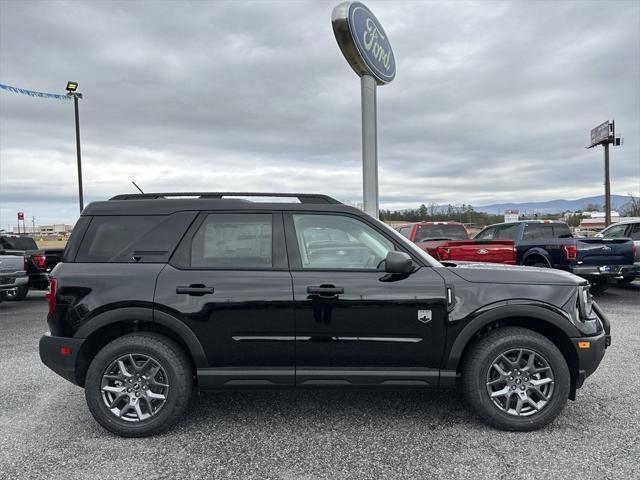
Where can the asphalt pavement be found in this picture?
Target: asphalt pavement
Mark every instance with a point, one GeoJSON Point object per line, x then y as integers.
{"type": "Point", "coordinates": [46, 430]}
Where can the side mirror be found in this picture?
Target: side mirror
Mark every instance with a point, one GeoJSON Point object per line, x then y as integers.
{"type": "Point", "coordinates": [398, 262]}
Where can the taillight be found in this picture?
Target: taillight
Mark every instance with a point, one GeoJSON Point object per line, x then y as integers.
{"type": "Point", "coordinates": [634, 250]}
{"type": "Point", "coordinates": [39, 260]}
{"type": "Point", "coordinates": [570, 252]}
{"type": "Point", "coordinates": [26, 263]}
{"type": "Point", "coordinates": [51, 295]}
{"type": "Point", "coordinates": [444, 253]}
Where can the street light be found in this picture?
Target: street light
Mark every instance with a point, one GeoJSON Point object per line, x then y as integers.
{"type": "Point", "coordinates": [72, 88]}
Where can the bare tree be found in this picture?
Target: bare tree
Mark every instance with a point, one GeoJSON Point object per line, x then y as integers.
{"type": "Point", "coordinates": [632, 207]}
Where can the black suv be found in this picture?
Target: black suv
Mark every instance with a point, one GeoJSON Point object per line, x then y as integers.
{"type": "Point", "coordinates": [157, 293]}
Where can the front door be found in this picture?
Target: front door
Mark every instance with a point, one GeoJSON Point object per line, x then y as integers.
{"type": "Point", "coordinates": [355, 324]}
{"type": "Point", "coordinates": [229, 283]}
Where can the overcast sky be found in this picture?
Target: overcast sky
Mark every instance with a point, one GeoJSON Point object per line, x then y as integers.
{"type": "Point", "coordinates": [492, 101]}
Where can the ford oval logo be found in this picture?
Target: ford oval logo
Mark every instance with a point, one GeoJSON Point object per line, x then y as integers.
{"type": "Point", "coordinates": [364, 42]}
{"type": "Point", "coordinates": [482, 251]}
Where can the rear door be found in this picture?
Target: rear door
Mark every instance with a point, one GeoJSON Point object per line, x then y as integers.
{"type": "Point", "coordinates": [229, 283]}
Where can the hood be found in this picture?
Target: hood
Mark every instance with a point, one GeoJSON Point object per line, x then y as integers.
{"type": "Point", "coordinates": [499, 273]}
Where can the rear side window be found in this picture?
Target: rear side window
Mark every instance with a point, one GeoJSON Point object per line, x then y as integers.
{"type": "Point", "coordinates": [226, 240]}
{"type": "Point", "coordinates": [441, 232]}
{"type": "Point", "coordinates": [133, 238]}
{"type": "Point", "coordinates": [537, 231]}
{"type": "Point", "coordinates": [635, 231]}
{"type": "Point", "coordinates": [18, 243]}
{"type": "Point", "coordinates": [405, 231]}
{"type": "Point", "coordinates": [616, 232]}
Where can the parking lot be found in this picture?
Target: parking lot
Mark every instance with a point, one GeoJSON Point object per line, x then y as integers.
{"type": "Point", "coordinates": [47, 431]}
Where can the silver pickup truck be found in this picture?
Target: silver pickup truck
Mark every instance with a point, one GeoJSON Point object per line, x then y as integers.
{"type": "Point", "coordinates": [12, 271]}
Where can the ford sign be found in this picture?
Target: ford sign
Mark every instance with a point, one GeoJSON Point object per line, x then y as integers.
{"type": "Point", "coordinates": [363, 41]}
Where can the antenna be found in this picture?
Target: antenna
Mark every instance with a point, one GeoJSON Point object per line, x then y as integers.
{"type": "Point", "coordinates": [136, 185]}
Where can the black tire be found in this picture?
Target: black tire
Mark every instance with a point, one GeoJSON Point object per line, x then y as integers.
{"type": "Point", "coordinates": [599, 286]}
{"type": "Point", "coordinates": [16, 294]}
{"type": "Point", "coordinates": [179, 374]}
{"type": "Point", "coordinates": [478, 361]}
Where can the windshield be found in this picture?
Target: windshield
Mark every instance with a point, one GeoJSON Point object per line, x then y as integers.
{"type": "Point", "coordinates": [429, 260]}
{"type": "Point", "coordinates": [441, 232]}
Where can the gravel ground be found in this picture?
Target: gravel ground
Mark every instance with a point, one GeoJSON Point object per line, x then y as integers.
{"type": "Point", "coordinates": [46, 430]}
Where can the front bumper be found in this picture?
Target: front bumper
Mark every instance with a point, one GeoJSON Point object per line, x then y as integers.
{"type": "Point", "coordinates": [590, 350]}
{"type": "Point", "coordinates": [60, 354]}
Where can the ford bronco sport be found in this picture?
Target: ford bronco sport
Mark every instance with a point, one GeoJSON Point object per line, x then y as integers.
{"type": "Point", "coordinates": [158, 293]}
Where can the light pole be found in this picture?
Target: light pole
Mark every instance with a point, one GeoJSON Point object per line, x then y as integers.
{"type": "Point", "coordinates": [72, 88]}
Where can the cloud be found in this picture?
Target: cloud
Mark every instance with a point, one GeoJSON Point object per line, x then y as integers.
{"type": "Point", "coordinates": [493, 101]}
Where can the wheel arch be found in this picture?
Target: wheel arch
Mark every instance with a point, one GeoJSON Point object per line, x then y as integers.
{"type": "Point", "coordinates": [110, 325]}
{"type": "Point", "coordinates": [546, 322]}
{"type": "Point", "coordinates": [537, 253]}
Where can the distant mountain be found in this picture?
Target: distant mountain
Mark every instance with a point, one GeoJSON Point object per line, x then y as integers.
{"type": "Point", "coordinates": [553, 206]}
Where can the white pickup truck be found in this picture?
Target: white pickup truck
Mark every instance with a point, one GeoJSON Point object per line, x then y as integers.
{"type": "Point", "coordinates": [12, 271]}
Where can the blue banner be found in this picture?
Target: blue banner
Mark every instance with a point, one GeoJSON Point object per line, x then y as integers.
{"type": "Point", "coordinates": [31, 93]}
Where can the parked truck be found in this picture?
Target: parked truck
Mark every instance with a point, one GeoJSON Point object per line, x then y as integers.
{"type": "Point", "coordinates": [550, 244]}
{"type": "Point", "coordinates": [447, 241]}
{"type": "Point", "coordinates": [12, 272]}
{"type": "Point", "coordinates": [39, 262]}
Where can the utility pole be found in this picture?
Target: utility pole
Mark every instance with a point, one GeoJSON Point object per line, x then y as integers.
{"type": "Point", "coordinates": [33, 225]}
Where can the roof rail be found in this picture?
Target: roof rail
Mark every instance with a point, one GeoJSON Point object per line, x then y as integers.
{"type": "Point", "coordinates": [302, 197]}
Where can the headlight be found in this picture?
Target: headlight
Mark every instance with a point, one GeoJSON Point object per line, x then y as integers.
{"type": "Point", "coordinates": [585, 303]}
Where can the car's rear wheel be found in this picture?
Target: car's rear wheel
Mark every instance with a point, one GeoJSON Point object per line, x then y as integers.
{"type": "Point", "coordinates": [18, 293]}
{"type": "Point", "coordinates": [598, 286]}
{"type": "Point", "coordinates": [516, 379]}
{"type": "Point", "coordinates": [139, 385]}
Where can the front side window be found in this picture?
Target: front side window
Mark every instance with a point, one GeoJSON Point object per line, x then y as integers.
{"type": "Point", "coordinates": [339, 242]}
{"type": "Point", "coordinates": [615, 232]}
{"type": "Point", "coordinates": [233, 241]}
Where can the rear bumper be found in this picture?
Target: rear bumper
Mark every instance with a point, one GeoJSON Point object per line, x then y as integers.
{"type": "Point", "coordinates": [63, 364]}
{"type": "Point", "coordinates": [590, 350]}
{"type": "Point", "coordinates": [9, 282]}
{"type": "Point", "coordinates": [605, 271]}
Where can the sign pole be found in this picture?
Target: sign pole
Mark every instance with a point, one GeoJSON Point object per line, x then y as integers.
{"type": "Point", "coordinates": [80, 194]}
{"type": "Point", "coordinates": [607, 187]}
{"type": "Point", "coordinates": [366, 48]}
{"type": "Point", "coordinates": [369, 145]}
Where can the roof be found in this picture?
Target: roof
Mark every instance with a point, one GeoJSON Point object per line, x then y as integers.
{"type": "Point", "coordinates": [167, 203]}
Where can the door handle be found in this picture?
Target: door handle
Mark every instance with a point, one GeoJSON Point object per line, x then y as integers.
{"type": "Point", "coordinates": [196, 290]}
{"type": "Point", "coordinates": [325, 291]}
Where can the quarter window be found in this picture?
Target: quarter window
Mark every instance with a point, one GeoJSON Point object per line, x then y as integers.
{"type": "Point", "coordinates": [233, 241]}
{"type": "Point", "coordinates": [338, 242]}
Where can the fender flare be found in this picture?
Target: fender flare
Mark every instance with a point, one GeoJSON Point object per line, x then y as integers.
{"type": "Point", "coordinates": [545, 313]}
{"type": "Point", "coordinates": [148, 314]}
{"type": "Point", "coordinates": [537, 251]}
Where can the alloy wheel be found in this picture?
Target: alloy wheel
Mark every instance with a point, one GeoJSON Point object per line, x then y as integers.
{"type": "Point", "coordinates": [134, 387]}
{"type": "Point", "coordinates": [520, 382]}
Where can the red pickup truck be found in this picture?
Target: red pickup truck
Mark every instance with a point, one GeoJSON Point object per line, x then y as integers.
{"type": "Point", "coordinates": [450, 241]}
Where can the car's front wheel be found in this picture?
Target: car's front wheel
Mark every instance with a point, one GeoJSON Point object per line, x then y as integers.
{"type": "Point", "coordinates": [516, 379]}
{"type": "Point", "coordinates": [139, 384]}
